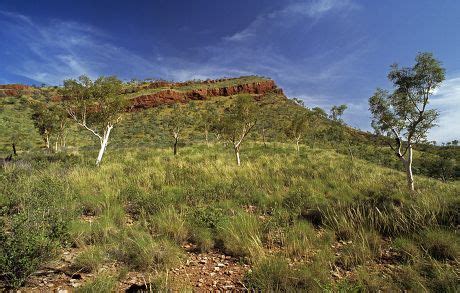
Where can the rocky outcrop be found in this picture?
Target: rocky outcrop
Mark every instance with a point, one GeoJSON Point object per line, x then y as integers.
{"type": "Point", "coordinates": [14, 89]}
{"type": "Point", "coordinates": [170, 96]}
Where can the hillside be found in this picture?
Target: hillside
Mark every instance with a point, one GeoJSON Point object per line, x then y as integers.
{"type": "Point", "coordinates": [147, 101]}
{"type": "Point", "coordinates": [335, 215]}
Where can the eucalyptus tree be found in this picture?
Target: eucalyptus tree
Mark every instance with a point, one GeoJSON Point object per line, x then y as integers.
{"type": "Point", "coordinates": [176, 121]}
{"type": "Point", "coordinates": [50, 119]}
{"type": "Point", "coordinates": [238, 121]}
{"type": "Point", "coordinates": [208, 117]}
{"type": "Point", "coordinates": [297, 126]}
{"type": "Point", "coordinates": [97, 106]}
{"type": "Point", "coordinates": [403, 114]}
{"type": "Point", "coordinates": [337, 112]}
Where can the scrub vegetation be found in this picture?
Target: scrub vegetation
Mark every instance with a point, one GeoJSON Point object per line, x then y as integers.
{"type": "Point", "coordinates": [298, 201]}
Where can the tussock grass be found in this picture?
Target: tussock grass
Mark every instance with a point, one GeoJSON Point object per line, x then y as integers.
{"type": "Point", "coordinates": [142, 203]}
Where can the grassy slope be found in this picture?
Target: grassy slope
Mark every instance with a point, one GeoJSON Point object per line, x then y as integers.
{"type": "Point", "coordinates": [388, 238]}
{"type": "Point", "coordinates": [201, 196]}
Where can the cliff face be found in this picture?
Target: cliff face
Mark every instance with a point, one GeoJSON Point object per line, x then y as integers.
{"type": "Point", "coordinates": [13, 89]}
{"type": "Point", "coordinates": [170, 96]}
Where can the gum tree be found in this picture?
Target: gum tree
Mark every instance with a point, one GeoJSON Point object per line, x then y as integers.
{"type": "Point", "coordinates": [207, 119]}
{"type": "Point", "coordinates": [403, 114]}
{"type": "Point", "coordinates": [238, 121]}
{"type": "Point", "coordinates": [97, 106]}
{"type": "Point", "coordinates": [176, 120]}
{"type": "Point", "coordinates": [297, 127]}
{"type": "Point", "coordinates": [50, 119]}
{"type": "Point", "coordinates": [337, 112]}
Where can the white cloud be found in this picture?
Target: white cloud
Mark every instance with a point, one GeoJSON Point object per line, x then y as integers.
{"type": "Point", "coordinates": [290, 14]}
{"type": "Point", "coordinates": [57, 50]}
{"type": "Point", "coordinates": [447, 101]}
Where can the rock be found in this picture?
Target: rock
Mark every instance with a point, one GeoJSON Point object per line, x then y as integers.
{"type": "Point", "coordinates": [220, 265]}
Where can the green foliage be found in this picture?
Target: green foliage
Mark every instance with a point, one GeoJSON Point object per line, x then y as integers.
{"type": "Point", "coordinates": [274, 274]}
{"type": "Point", "coordinates": [337, 112]}
{"type": "Point", "coordinates": [238, 119]}
{"type": "Point", "coordinates": [23, 252]}
{"type": "Point", "coordinates": [170, 223]}
{"type": "Point", "coordinates": [140, 251]}
{"type": "Point", "coordinates": [241, 236]}
{"type": "Point", "coordinates": [441, 245]}
{"type": "Point", "coordinates": [89, 260]}
{"type": "Point", "coordinates": [102, 283]}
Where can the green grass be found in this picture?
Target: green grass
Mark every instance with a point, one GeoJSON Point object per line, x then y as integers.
{"type": "Point", "coordinates": [142, 203]}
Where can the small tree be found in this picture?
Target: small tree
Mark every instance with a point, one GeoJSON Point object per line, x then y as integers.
{"type": "Point", "coordinates": [403, 114]}
{"type": "Point", "coordinates": [238, 121]}
{"type": "Point", "coordinates": [337, 112]}
{"type": "Point", "coordinates": [42, 117]}
{"type": "Point", "coordinates": [207, 119]}
{"type": "Point", "coordinates": [297, 127]}
{"type": "Point", "coordinates": [97, 106]}
{"type": "Point", "coordinates": [51, 122]}
{"type": "Point", "coordinates": [177, 120]}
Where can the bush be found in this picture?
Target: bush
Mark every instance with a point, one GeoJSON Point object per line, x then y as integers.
{"type": "Point", "coordinates": [241, 236]}
{"type": "Point", "coordinates": [23, 248]}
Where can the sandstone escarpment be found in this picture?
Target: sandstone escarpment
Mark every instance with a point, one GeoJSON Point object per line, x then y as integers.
{"type": "Point", "coordinates": [169, 96]}
{"type": "Point", "coordinates": [14, 89]}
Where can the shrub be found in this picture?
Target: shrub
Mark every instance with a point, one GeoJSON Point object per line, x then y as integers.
{"type": "Point", "coordinates": [241, 236]}
{"type": "Point", "coordinates": [23, 248]}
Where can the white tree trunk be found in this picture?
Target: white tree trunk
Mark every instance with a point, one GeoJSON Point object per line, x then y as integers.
{"type": "Point", "coordinates": [47, 141]}
{"type": "Point", "coordinates": [297, 147]}
{"type": "Point", "coordinates": [410, 177]}
{"type": "Point", "coordinates": [237, 153]}
{"type": "Point", "coordinates": [104, 141]}
{"type": "Point", "coordinates": [408, 168]}
{"type": "Point", "coordinates": [206, 133]}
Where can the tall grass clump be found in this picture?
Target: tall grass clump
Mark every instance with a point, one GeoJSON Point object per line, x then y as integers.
{"type": "Point", "coordinates": [275, 274]}
{"type": "Point", "coordinates": [140, 251]}
{"type": "Point", "coordinates": [241, 236]}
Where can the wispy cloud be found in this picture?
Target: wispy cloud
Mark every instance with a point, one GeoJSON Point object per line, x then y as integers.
{"type": "Point", "coordinates": [447, 101]}
{"type": "Point", "coordinates": [290, 14]}
{"type": "Point", "coordinates": [57, 50]}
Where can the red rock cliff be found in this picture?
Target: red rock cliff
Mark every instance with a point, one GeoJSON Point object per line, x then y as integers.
{"type": "Point", "coordinates": [13, 89]}
{"type": "Point", "coordinates": [170, 96]}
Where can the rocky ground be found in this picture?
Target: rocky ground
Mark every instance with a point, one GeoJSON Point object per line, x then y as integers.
{"type": "Point", "coordinates": [203, 272]}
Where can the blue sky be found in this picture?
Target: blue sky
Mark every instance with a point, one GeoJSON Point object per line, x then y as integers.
{"type": "Point", "coordinates": [324, 51]}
